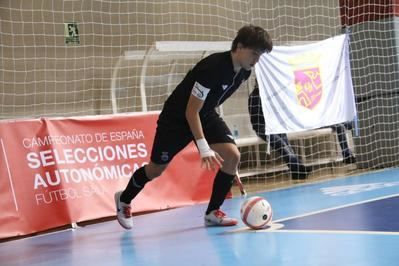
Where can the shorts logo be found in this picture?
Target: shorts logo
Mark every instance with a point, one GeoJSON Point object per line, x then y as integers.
{"type": "Point", "coordinates": [200, 91]}
{"type": "Point", "coordinates": [165, 156]}
{"type": "Point", "coordinates": [224, 87]}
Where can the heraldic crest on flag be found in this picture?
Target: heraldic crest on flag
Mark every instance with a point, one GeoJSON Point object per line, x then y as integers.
{"type": "Point", "coordinates": [306, 86]}
{"type": "Point", "coordinates": [308, 82]}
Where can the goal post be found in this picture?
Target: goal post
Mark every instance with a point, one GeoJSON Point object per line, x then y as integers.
{"type": "Point", "coordinates": [168, 51]}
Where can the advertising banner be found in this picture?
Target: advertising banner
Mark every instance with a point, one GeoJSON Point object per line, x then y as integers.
{"type": "Point", "coordinates": [63, 170]}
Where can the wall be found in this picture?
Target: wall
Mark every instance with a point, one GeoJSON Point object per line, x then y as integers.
{"type": "Point", "coordinates": [41, 76]}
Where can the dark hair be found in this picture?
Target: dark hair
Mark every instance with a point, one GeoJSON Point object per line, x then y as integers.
{"type": "Point", "coordinates": [253, 37]}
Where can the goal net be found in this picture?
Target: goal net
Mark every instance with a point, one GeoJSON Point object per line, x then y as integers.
{"type": "Point", "coordinates": [93, 57]}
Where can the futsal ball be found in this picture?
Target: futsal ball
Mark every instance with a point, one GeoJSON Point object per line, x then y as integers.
{"type": "Point", "coordinates": [256, 212]}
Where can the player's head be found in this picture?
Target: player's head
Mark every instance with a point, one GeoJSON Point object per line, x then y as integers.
{"type": "Point", "coordinates": [249, 44]}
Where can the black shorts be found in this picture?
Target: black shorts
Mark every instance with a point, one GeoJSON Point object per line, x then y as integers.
{"type": "Point", "coordinates": [170, 138]}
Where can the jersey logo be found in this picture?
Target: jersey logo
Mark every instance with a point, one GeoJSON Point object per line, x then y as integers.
{"type": "Point", "coordinates": [200, 91]}
{"type": "Point", "coordinates": [224, 87]}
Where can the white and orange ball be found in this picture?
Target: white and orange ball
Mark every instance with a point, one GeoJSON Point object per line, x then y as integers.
{"type": "Point", "coordinates": [256, 212]}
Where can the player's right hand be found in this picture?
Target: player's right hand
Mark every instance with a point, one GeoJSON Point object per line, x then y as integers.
{"type": "Point", "coordinates": [212, 161]}
{"type": "Point", "coordinates": [209, 158]}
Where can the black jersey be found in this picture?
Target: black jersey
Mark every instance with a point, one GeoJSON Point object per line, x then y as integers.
{"type": "Point", "coordinates": [215, 72]}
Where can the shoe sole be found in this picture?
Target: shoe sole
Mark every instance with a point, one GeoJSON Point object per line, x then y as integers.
{"type": "Point", "coordinates": [207, 223]}
{"type": "Point", "coordinates": [116, 198]}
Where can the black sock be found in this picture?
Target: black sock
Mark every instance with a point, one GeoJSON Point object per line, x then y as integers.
{"type": "Point", "coordinates": [135, 185]}
{"type": "Point", "coordinates": [221, 187]}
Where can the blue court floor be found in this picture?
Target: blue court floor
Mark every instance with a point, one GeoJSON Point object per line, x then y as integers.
{"type": "Point", "coordinates": [345, 221]}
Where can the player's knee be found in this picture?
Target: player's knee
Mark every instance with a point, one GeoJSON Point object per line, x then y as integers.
{"type": "Point", "coordinates": [230, 154]}
{"type": "Point", "coordinates": [236, 157]}
{"type": "Point", "coordinates": [232, 158]}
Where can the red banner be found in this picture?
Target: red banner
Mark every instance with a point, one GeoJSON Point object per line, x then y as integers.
{"type": "Point", "coordinates": [59, 171]}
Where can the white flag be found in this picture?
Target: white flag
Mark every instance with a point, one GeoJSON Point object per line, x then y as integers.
{"type": "Point", "coordinates": [306, 86]}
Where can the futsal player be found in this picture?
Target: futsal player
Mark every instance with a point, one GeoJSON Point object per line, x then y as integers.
{"type": "Point", "coordinates": [189, 115]}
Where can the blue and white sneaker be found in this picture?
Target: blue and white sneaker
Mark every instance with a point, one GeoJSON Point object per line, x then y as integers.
{"type": "Point", "coordinates": [219, 218]}
{"type": "Point", "coordinates": [123, 212]}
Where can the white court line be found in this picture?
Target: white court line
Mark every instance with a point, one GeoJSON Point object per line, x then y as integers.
{"type": "Point", "coordinates": [9, 175]}
{"type": "Point", "coordinates": [336, 208]}
{"type": "Point", "coordinates": [351, 232]}
{"type": "Point", "coordinates": [276, 226]}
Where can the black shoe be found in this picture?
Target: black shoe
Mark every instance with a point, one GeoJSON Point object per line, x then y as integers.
{"type": "Point", "coordinates": [349, 159]}
{"type": "Point", "coordinates": [302, 173]}
{"type": "Point", "coordinates": [299, 176]}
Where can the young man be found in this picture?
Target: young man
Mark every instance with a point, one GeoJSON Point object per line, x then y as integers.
{"type": "Point", "coordinates": [279, 142]}
{"type": "Point", "coordinates": [189, 114]}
